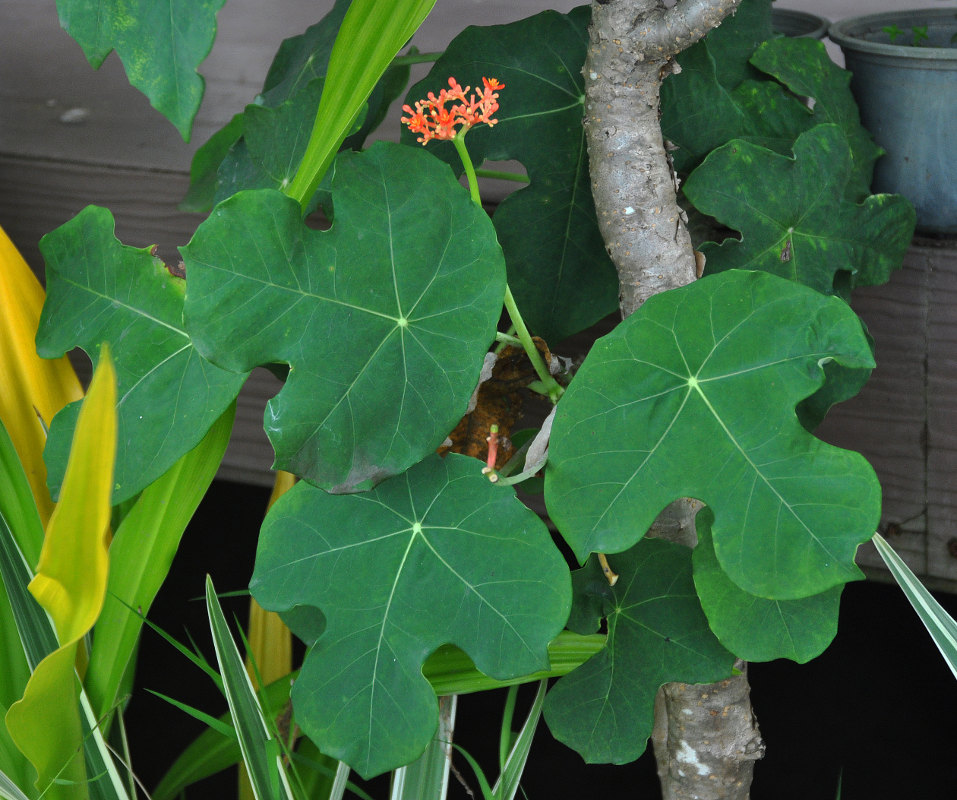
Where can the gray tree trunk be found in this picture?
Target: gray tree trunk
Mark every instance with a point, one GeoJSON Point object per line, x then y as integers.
{"type": "Point", "coordinates": [706, 739]}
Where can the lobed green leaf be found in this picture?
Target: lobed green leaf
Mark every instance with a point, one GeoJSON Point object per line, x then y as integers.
{"type": "Point", "coordinates": [709, 375]}
{"type": "Point", "coordinates": [384, 319]}
{"type": "Point", "coordinates": [160, 42]}
{"type": "Point", "coordinates": [99, 290]}
{"type": "Point", "coordinates": [806, 69]}
{"type": "Point", "coordinates": [657, 634]}
{"type": "Point", "coordinates": [558, 269]}
{"type": "Point", "coordinates": [437, 555]}
{"type": "Point", "coordinates": [755, 628]}
{"type": "Point", "coordinates": [806, 229]}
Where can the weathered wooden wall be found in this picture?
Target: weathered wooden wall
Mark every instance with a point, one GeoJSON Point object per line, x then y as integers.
{"type": "Point", "coordinates": [905, 419]}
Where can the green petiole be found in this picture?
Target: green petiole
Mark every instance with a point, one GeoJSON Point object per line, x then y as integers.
{"type": "Point", "coordinates": [552, 387]}
{"type": "Point", "coordinates": [459, 141]}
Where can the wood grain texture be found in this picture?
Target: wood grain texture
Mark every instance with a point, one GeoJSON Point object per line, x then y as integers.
{"type": "Point", "coordinates": [942, 412]}
{"type": "Point", "coordinates": [886, 422]}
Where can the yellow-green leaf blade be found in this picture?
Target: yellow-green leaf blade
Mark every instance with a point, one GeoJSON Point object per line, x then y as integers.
{"type": "Point", "coordinates": [141, 555]}
{"type": "Point", "coordinates": [70, 584]}
{"type": "Point", "coordinates": [71, 576]}
{"type": "Point", "coordinates": [34, 388]}
{"type": "Point", "coordinates": [372, 33]}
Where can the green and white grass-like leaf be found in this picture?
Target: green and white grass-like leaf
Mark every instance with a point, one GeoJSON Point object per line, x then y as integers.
{"type": "Point", "coordinates": [9, 790]}
{"type": "Point", "coordinates": [428, 775]}
{"type": "Point", "coordinates": [260, 750]}
{"type": "Point", "coordinates": [941, 626]}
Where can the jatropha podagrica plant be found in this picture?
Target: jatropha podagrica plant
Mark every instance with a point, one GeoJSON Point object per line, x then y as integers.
{"type": "Point", "coordinates": [405, 570]}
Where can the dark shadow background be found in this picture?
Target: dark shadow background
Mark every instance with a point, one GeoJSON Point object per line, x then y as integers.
{"type": "Point", "coordinates": [878, 708]}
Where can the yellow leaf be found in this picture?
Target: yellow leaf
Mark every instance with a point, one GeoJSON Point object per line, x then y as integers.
{"type": "Point", "coordinates": [33, 387]}
{"type": "Point", "coordinates": [71, 577]}
{"type": "Point", "coordinates": [70, 583]}
{"type": "Point", "coordinates": [270, 641]}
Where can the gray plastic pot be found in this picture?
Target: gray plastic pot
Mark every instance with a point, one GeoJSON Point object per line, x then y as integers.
{"type": "Point", "coordinates": [908, 100]}
{"type": "Point", "coordinates": [798, 23]}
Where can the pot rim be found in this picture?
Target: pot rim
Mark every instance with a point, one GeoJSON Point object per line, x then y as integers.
{"type": "Point", "coordinates": [813, 25]}
{"type": "Point", "coordinates": [849, 33]}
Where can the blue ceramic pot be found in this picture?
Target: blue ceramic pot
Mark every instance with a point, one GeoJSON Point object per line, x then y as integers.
{"type": "Point", "coordinates": [908, 100]}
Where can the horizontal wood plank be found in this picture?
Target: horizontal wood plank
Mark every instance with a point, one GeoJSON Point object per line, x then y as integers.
{"type": "Point", "coordinates": [886, 422]}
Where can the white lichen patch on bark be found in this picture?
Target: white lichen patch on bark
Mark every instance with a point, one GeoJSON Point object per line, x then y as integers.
{"type": "Point", "coordinates": [687, 755]}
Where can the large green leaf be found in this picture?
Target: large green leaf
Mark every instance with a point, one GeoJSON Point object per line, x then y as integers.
{"type": "Point", "coordinates": [694, 396]}
{"type": "Point", "coordinates": [160, 42]}
{"type": "Point", "coordinates": [99, 290]}
{"type": "Point", "coordinates": [718, 95]}
{"type": "Point", "coordinates": [558, 268]}
{"type": "Point", "coordinates": [804, 66]}
{"type": "Point", "coordinates": [657, 633]}
{"type": "Point", "coordinates": [203, 171]}
{"type": "Point", "coordinates": [384, 320]}
{"type": "Point", "coordinates": [303, 58]}
{"type": "Point", "coordinates": [272, 144]}
{"type": "Point", "coordinates": [436, 555]}
{"type": "Point", "coordinates": [284, 112]}
{"type": "Point", "coordinates": [723, 92]}
{"type": "Point", "coordinates": [735, 39]}
{"type": "Point", "coordinates": [699, 114]}
{"type": "Point", "coordinates": [793, 215]}
{"type": "Point", "coordinates": [754, 628]}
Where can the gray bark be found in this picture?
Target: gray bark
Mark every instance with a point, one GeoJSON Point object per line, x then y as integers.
{"type": "Point", "coordinates": [706, 738]}
{"type": "Point", "coordinates": [631, 44]}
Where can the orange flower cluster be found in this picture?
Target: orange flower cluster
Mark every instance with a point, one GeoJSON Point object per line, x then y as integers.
{"type": "Point", "coordinates": [434, 120]}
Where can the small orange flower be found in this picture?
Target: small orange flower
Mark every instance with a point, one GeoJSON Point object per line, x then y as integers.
{"type": "Point", "coordinates": [453, 110]}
